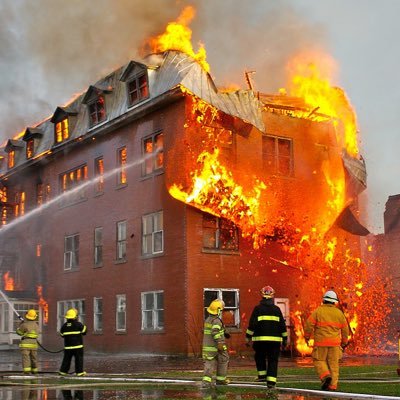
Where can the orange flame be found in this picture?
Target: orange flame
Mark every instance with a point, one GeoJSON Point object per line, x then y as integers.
{"type": "Point", "coordinates": [8, 281]}
{"type": "Point", "coordinates": [177, 36]}
{"type": "Point", "coordinates": [43, 304]}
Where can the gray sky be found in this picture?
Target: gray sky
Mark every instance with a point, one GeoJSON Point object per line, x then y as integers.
{"type": "Point", "coordinates": [53, 49]}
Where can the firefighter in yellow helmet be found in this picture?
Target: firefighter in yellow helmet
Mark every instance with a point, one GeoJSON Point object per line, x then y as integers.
{"type": "Point", "coordinates": [29, 332]}
{"type": "Point", "coordinates": [329, 327]}
{"type": "Point", "coordinates": [267, 332]}
{"type": "Point", "coordinates": [72, 331]}
{"type": "Point", "coordinates": [215, 351]}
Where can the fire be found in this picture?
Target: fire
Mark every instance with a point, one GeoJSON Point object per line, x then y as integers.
{"type": "Point", "coordinates": [312, 82]}
{"type": "Point", "coordinates": [177, 36]}
{"type": "Point", "coordinates": [8, 281]}
{"type": "Point", "coordinates": [301, 344]}
{"type": "Point", "coordinates": [43, 303]}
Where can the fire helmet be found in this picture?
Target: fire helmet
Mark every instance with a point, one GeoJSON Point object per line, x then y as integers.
{"type": "Point", "coordinates": [215, 307]}
{"type": "Point", "coordinates": [330, 297]}
{"type": "Point", "coordinates": [31, 315]}
{"type": "Point", "coordinates": [267, 292]}
{"type": "Point", "coordinates": [71, 314]}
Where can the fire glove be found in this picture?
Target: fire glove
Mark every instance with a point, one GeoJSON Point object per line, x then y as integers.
{"type": "Point", "coordinates": [221, 347]}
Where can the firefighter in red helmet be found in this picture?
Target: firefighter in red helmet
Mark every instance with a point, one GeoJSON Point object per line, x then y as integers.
{"type": "Point", "coordinates": [267, 332]}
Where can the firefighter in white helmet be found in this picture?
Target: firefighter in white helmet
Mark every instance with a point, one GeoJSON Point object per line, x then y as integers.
{"type": "Point", "coordinates": [72, 331]}
{"type": "Point", "coordinates": [215, 350]}
{"type": "Point", "coordinates": [29, 332]}
{"type": "Point", "coordinates": [330, 330]}
{"type": "Point", "coordinates": [267, 332]}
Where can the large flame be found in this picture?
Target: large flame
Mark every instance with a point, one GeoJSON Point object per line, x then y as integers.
{"type": "Point", "coordinates": [44, 306]}
{"type": "Point", "coordinates": [178, 35]}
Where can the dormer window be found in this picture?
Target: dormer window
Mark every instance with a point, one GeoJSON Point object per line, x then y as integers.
{"type": "Point", "coordinates": [64, 120]}
{"type": "Point", "coordinates": [97, 111]}
{"type": "Point", "coordinates": [11, 158]}
{"type": "Point", "coordinates": [30, 146]}
{"type": "Point", "coordinates": [62, 130]}
{"type": "Point", "coordinates": [137, 82]}
{"type": "Point", "coordinates": [138, 89]}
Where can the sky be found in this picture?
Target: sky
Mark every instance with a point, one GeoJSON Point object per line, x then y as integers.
{"type": "Point", "coordinates": [51, 50]}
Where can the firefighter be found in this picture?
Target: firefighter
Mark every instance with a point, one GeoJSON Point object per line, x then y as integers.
{"type": "Point", "coordinates": [267, 332]}
{"type": "Point", "coordinates": [215, 350]}
{"type": "Point", "coordinates": [72, 331]}
{"type": "Point", "coordinates": [329, 327]}
{"type": "Point", "coordinates": [29, 332]}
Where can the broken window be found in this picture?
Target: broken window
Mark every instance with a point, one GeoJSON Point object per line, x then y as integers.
{"type": "Point", "coordinates": [97, 111]}
{"type": "Point", "coordinates": [61, 130]}
{"type": "Point", "coordinates": [277, 153]}
{"type": "Point", "coordinates": [138, 89]}
{"type": "Point", "coordinates": [121, 241]}
{"type": "Point", "coordinates": [219, 234]}
{"type": "Point", "coordinates": [71, 252]}
{"type": "Point", "coordinates": [153, 310]}
{"type": "Point", "coordinates": [121, 159]}
{"type": "Point", "coordinates": [153, 152]}
{"type": "Point", "coordinates": [120, 316]}
{"type": "Point", "coordinates": [152, 234]}
{"type": "Point", "coordinates": [99, 174]}
{"type": "Point", "coordinates": [98, 247]}
{"type": "Point", "coordinates": [11, 158]}
{"type": "Point", "coordinates": [30, 144]}
{"type": "Point", "coordinates": [230, 314]}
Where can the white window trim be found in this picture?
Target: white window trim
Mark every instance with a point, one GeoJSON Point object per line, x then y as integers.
{"type": "Point", "coordinates": [236, 311]}
{"type": "Point", "coordinates": [154, 312]}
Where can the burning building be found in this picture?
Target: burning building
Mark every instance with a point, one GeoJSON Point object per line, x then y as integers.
{"type": "Point", "coordinates": [154, 192]}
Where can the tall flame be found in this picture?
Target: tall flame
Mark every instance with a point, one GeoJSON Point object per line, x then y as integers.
{"type": "Point", "coordinates": [43, 304]}
{"type": "Point", "coordinates": [178, 35]}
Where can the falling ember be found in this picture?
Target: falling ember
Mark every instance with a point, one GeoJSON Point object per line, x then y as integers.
{"type": "Point", "coordinates": [177, 36]}
{"type": "Point", "coordinates": [8, 281]}
{"type": "Point", "coordinates": [44, 306]}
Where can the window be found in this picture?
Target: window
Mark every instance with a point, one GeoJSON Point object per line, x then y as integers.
{"type": "Point", "coordinates": [98, 247]}
{"type": "Point", "coordinates": [121, 241]}
{"type": "Point", "coordinates": [22, 309]}
{"type": "Point", "coordinates": [121, 160]}
{"type": "Point", "coordinates": [99, 174]}
{"type": "Point", "coordinates": [277, 155]}
{"type": "Point", "coordinates": [73, 178]}
{"type": "Point", "coordinates": [98, 314]}
{"type": "Point", "coordinates": [138, 89]}
{"type": "Point", "coordinates": [19, 207]}
{"type": "Point", "coordinates": [30, 148]}
{"type": "Point", "coordinates": [61, 131]}
{"type": "Point", "coordinates": [97, 111]}
{"type": "Point", "coordinates": [47, 192]}
{"type": "Point", "coordinates": [153, 310]}
{"type": "Point", "coordinates": [152, 234]}
{"type": "Point", "coordinates": [71, 252]}
{"type": "Point", "coordinates": [230, 297]}
{"type": "Point", "coordinates": [219, 234]}
{"type": "Point", "coordinates": [65, 305]}
{"type": "Point", "coordinates": [153, 152]}
{"type": "Point", "coordinates": [39, 194]}
{"type": "Point", "coordinates": [120, 316]}
{"type": "Point", "coordinates": [11, 158]}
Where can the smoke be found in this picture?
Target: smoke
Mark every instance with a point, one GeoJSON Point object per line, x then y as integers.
{"type": "Point", "coordinates": [50, 50]}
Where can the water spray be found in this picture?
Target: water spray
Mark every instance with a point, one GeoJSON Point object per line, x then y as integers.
{"type": "Point", "coordinates": [11, 306]}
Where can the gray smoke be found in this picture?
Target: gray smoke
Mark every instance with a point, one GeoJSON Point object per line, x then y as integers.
{"type": "Point", "coordinates": [51, 50]}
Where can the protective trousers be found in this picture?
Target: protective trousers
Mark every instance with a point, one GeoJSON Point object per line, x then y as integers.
{"type": "Point", "coordinates": [66, 362]}
{"type": "Point", "coordinates": [266, 351]}
{"type": "Point", "coordinates": [29, 360]}
{"type": "Point", "coordinates": [220, 361]}
{"type": "Point", "coordinates": [326, 362]}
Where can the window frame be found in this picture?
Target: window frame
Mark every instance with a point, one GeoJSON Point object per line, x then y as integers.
{"type": "Point", "coordinates": [98, 247]}
{"type": "Point", "coordinates": [11, 159]}
{"type": "Point", "coordinates": [122, 157]}
{"type": "Point", "coordinates": [153, 164]}
{"type": "Point", "coordinates": [61, 131]}
{"type": "Point", "coordinates": [99, 174]}
{"type": "Point", "coordinates": [118, 304]}
{"type": "Point", "coordinates": [30, 148]}
{"type": "Point", "coordinates": [218, 236]}
{"type": "Point", "coordinates": [233, 310]}
{"type": "Point", "coordinates": [157, 323]}
{"type": "Point", "coordinates": [97, 110]}
{"type": "Point", "coordinates": [73, 253]}
{"type": "Point", "coordinates": [97, 315]}
{"type": "Point", "coordinates": [149, 237]}
{"type": "Point", "coordinates": [64, 305]}
{"type": "Point", "coordinates": [121, 241]}
{"type": "Point", "coordinates": [273, 167]}
{"type": "Point", "coordinates": [141, 88]}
